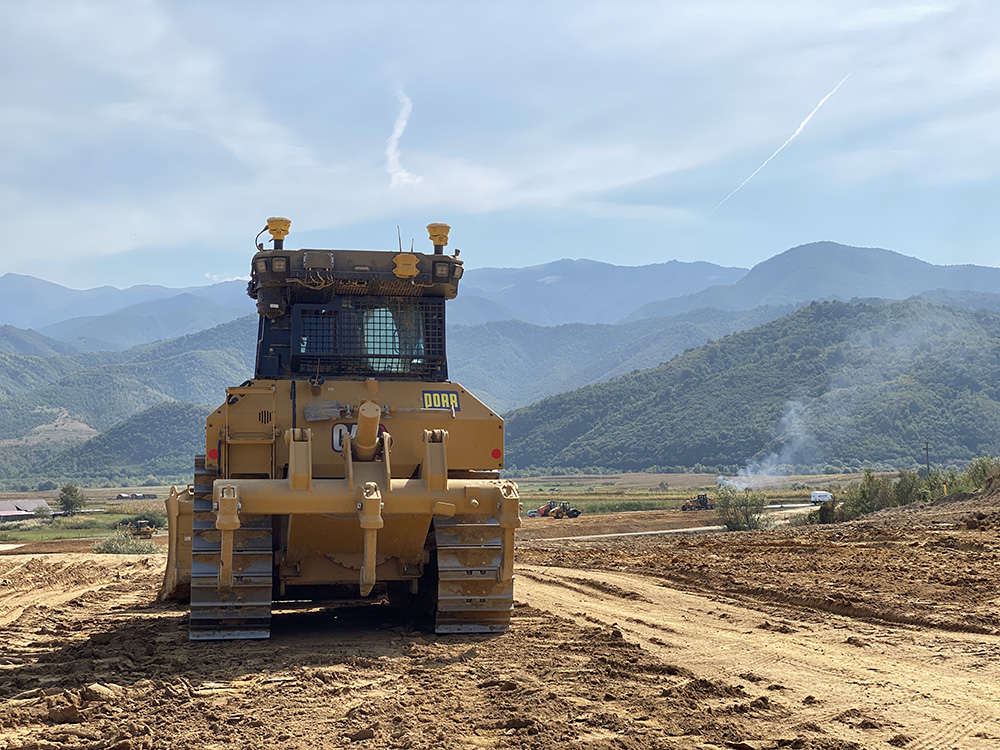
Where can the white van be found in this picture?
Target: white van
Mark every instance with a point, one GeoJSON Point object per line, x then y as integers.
{"type": "Point", "coordinates": [820, 497]}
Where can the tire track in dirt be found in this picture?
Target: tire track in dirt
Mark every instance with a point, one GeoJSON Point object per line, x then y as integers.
{"type": "Point", "coordinates": [54, 580]}
{"type": "Point", "coordinates": [866, 688]}
{"type": "Point", "coordinates": [962, 727]}
{"type": "Point", "coordinates": [841, 608]}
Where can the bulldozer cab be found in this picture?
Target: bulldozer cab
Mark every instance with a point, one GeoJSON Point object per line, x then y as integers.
{"type": "Point", "coordinates": [353, 314]}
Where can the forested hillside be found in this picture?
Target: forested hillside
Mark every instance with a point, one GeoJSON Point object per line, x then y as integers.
{"type": "Point", "coordinates": [512, 363]}
{"type": "Point", "coordinates": [20, 341]}
{"type": "Point", "coordinates": [149, 321]}
{"type": "Point", "coordinates": [139, 399]}
{"type": "Point", "coordinates": [833, 386]}
{"type": "Point", "coordinates": [157, 443]}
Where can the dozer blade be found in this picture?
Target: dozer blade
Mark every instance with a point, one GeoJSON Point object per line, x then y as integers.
{"type": "Point", "coordinates": [244, 610]}
{"type": "Point", "coordinates": [471, 596]}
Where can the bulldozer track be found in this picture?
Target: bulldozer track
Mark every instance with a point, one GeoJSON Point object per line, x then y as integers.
{"type": "Point", "coordinates": [469, 559]}
{"type": "Point", "coordinates": [244, 610]}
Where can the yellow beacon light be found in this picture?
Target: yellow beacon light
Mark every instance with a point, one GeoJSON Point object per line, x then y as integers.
{"type": "Point", "coordinates": [439, 236]}
{"type": "Point", "coordinates": [277, 227]}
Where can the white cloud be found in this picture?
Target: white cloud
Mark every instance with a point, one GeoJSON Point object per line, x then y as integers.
{"type": "Point", "coordinates": [218, 278]}
{"type": "Point", "coordinates": [216, 121]}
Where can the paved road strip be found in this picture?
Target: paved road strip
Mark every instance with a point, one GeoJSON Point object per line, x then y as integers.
{"type": "Point", "coordinates": [695, 530]}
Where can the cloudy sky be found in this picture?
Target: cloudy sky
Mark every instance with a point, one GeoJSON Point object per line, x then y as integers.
{"type": "Point", "coordinates": [146, 141]}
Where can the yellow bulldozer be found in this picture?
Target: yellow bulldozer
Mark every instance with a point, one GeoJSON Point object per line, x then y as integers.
{"type": "Point", "coordinates": [349, 466]}
{"type": "Point", "coordinates": [140, 528]}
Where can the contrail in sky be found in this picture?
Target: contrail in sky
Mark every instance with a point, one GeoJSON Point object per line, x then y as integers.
{"type": "Point", "coordinates": [791, 138]}
{"type": "Point", "coordinates": [399, 175]}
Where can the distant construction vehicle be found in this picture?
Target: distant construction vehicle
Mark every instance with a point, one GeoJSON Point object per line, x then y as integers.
{"type": "Point", "coordinates": [554, 509]}
{"type": "Point", "coordinates": [349, 466]}
{"type": "Point", "coordinates": [702, 502]}
{"type": "Point", "coordinates": [140, 528]}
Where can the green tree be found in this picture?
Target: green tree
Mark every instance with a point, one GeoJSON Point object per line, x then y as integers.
{"type": "Point", "coordinates": [70, 500]}
{"type": "Point", "coordinates": [42, 511]}
{"type": "Point", "coordinates": [742, 511]}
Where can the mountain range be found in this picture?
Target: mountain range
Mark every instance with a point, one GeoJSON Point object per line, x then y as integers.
{"type": "Point", "coordinates": [827, 270]}
{"type": "Point", "coordinates": [564, 291]}
{"type": "Point", "coordinates": [153, 348]}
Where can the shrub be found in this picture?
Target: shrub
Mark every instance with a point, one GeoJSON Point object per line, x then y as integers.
{"type": "Point", "coordinates": [742, 511]}
{"type": "Point", "coordinates": [123, 543]}
{"type": "Point", "coordinates": [828, 512]}
{"type": "Point", "coordinates": [910, 488]}
{"type": "Point", "coordinates": [875, 493]}
{"type": "Point", "coordinates": [870, 494]}
{"type": "Point", "coordinates": [975, 474]}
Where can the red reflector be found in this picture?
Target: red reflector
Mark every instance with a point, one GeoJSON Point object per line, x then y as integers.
{"type": "Point", "coordinates": [496, 453]}
{"type": "Point", "coordinates": [213, 454]}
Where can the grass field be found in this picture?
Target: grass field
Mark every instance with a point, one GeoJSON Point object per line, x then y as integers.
{"type": "Point", "coordinates": [103, 516]}
{"type": "Point", "coordinates": [611, 493]}
{"type": "Point", "coordinates": [615, 493]}
{"type": "Point", "coordinates": [77, 527]}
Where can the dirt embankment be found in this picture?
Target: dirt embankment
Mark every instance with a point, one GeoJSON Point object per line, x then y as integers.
{"type": "Point", "coordinates": [875, 634]}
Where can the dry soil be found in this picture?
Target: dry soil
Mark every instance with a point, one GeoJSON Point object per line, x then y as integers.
{"type": "Point", "coordinates": [874, 634]}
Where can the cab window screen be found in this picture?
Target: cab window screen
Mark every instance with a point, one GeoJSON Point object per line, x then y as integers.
{"type": "Point", "coordinates": [371, 336]}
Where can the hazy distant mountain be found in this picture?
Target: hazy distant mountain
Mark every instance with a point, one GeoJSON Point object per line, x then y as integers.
{"type": "Point", "coordinates": [564, 291]}
{"type": "Point", "coordinates": [586, 291]}
{"type": "Point", "coordinates": [20, 341]}
{"type": "Point", "coordinates": [28, 302]}
{"type": "Point", "coordinates": [145, 322]}
{"type": "Point", "coordinates": [827, 270]}
{"type": "Point", "coordinates": [550, 294]}
{"type": "Point", "coordinates": [470, 310]}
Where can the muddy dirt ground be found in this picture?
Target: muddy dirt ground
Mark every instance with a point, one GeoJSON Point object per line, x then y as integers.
{"type": "Point", "coordinates": [880, 633]}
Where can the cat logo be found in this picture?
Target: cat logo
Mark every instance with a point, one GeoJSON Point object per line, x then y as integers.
{"type": "Point", "coordinates": [441, 400]}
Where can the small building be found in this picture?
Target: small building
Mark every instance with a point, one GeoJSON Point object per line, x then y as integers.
{"type": "Point", "coordinates": [18, 510]}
